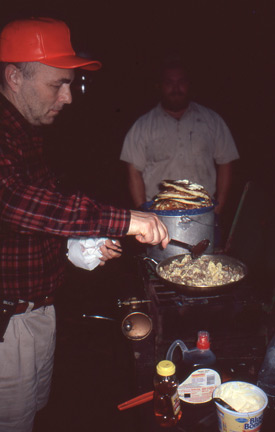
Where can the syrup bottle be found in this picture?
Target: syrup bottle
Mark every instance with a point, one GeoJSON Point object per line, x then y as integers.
{"type": "Point", "coordinates": [199, 372]}
{"type": "Point", "coordinates": [167, 407]}
{"type": "Point", "coordinates": [196, 370]}
{"type": "Point", "coordinates": [201, 356]}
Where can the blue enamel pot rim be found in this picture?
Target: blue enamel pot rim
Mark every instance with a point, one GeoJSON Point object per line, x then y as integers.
{"type": "Point", "coordinates": [184, 212]}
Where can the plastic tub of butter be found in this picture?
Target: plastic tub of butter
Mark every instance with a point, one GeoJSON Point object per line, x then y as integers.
{"type": "Point", "coordinates": [249, 402]}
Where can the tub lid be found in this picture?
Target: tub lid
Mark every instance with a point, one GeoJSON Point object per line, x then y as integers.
{"type": "Point", "coordinates": [146, 207]}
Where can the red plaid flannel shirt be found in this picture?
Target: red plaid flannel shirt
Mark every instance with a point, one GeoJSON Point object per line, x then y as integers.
{"type": "Point", "coordinates": [35, 218]}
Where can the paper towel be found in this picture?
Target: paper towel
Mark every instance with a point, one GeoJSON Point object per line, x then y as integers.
{"type": "Point", "coordinates": [85, 252]}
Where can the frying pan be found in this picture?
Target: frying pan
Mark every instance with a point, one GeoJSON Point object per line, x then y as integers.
{"type": "Point", "coordinates": [198, 290]}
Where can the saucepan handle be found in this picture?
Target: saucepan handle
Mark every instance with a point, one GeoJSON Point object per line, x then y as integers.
{"type": "Point", "coordinates": [151, 261]}
{"type": "Point", "coordinates": [184, 220]}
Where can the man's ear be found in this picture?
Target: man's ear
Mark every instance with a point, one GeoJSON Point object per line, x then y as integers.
{"type": "Point", "coordinates": [13, 77]}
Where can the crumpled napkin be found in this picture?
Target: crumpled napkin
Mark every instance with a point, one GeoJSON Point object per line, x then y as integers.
{"type": "Point", "coordinates": [85, 252]}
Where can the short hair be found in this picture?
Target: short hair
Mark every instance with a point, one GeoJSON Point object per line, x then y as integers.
{"type": "Point", "coordinates": [174, 62]}
{"type": "Point", "coordinates": [27, 69]}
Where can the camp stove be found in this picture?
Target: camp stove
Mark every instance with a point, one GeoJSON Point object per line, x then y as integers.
{"type": "Point", "coordinates": [235, 320]}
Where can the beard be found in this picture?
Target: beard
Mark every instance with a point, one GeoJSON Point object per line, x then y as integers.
{"type": "Point", "coordinates": [175, 101]}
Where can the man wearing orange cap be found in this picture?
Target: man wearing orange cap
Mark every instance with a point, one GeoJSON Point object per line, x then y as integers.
{"type": "Point", "coordinates": [37, 69]}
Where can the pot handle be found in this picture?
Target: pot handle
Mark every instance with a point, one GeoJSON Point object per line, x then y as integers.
{"type": "Point", "coordinates": [151, 261]}
{"type": "Point", "coordinates": [173, 346]}
{"type": "Point", "coordinates": [186, 220]}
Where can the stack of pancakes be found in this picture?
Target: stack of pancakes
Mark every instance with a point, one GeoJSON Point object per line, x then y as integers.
{"type": "Point", "coordinates": [181, 194]}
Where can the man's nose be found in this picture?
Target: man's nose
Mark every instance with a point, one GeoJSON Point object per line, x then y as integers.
{"type": "Point", "coordinates": [176, 86]}
{"type": "Point", "coordinates": [66, 95]}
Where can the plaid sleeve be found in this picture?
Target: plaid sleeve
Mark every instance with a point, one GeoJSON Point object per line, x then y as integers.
{"type": "Point", "coordinates": [28, 208]}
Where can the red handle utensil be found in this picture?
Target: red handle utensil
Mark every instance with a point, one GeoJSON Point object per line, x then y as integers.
{"type": "Point", "coordinates": [145, 397]}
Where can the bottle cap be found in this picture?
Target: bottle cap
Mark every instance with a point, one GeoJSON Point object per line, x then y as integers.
{"type": "Point", "coordinates": [166, 368]}
{"type": "Point", "coordinates": [203, 340]}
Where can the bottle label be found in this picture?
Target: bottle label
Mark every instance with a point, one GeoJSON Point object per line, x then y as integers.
{"type": "Point", "coordinates": [175, 403]}
{"type": "Point", "coordinates": [199, 386]}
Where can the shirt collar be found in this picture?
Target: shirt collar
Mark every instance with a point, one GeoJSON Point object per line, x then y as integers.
{"type": "Point", "coordinates": [162, 111]}
{"type": "Point", "coordinates": [9, 110]}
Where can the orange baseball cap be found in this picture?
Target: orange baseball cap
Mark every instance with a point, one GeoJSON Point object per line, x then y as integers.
{"type": "Point", "coordinates": [43, 40]}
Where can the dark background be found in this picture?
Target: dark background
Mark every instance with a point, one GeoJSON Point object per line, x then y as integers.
{"type": "Point", "coordinates": [230, 49]}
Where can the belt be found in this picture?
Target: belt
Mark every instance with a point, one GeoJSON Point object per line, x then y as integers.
{"type": "Point", "coordinates": [22, 307]}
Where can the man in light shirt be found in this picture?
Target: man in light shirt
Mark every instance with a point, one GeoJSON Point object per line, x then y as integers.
{"type": "Point", "coordinates": [179, 139]}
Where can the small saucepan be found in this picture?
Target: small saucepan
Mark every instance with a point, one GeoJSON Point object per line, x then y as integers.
{"type": "Point", "coordinates": [201, 290]}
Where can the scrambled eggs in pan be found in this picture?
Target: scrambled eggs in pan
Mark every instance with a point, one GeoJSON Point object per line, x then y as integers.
{"type": "Point", "coordinates": [202, 272]}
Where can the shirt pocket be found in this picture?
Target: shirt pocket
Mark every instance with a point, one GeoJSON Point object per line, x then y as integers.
{"type": "Point", "coordinates": [202, 142]}
{"type": "Point", "coordinates": [158, 149]}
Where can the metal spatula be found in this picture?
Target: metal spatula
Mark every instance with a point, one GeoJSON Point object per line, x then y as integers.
{"type": "Point", "coordinates": [196, 250]}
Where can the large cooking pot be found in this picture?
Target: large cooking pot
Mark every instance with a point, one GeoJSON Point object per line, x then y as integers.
{"type": "Point", "coordinates": [199, 290]}
{"type": "Point", "coordinates": [189, 226]}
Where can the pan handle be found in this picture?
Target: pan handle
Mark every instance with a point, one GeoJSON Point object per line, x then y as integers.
{"type": "Point", "coordinates": [98, 317]}
{"type": "Point", "coordinates": [151, 261]}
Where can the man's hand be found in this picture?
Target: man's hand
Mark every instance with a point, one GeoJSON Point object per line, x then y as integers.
{"type": "Point", "coordinates": [110, 250]}
{"type": "Point", "coordinates": [147, 228]}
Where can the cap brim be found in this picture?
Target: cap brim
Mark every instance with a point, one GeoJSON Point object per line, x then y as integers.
{"type": "Point", "coordinates": [72, 62]}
